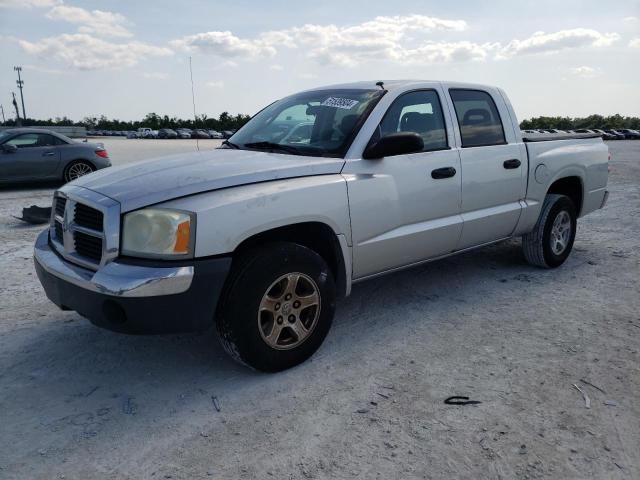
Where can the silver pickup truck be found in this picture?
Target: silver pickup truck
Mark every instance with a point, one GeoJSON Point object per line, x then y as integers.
{"type": "Point", "coordinates": [319, 190]}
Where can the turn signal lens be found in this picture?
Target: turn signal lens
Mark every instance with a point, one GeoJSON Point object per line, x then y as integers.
{"type": "Point", "coordinates": [182, 238]}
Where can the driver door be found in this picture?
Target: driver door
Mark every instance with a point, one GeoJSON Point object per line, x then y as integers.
{"type": "Point", "coordinates": [36, 157]}
{"type": "Point", "coordinates": [406, 208]}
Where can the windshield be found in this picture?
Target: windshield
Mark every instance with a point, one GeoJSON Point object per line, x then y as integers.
{"type": "Point", "coordinates": [318, 123]}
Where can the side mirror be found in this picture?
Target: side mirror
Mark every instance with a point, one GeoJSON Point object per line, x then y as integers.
{"type": "Point", "coordinates": [399, 143]}
{"type": "Point", "coordinates": [9, 148]}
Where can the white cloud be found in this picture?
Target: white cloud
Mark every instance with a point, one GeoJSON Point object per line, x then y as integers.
{"type": "Point", "coordinates": [95, 22]}
{"type": "Point", "coordinates": [630, 19]}
{"type": "Point", "coordinates": [634, 43]}
{"type": "Point", "coordinates": [215, 84]}
{"type": "Point", "coordinates": [585, 71]}
{"type": "Point", "coordinates": [28, 3]}
{"type": "Point", "coordinates": [276, 68]}
{"type": "Point", "coordinates": [155, 75]}
{"type": "Point", "coordinates": [85, 52]}
{"type": "Point", "coordinates": [223, 44]}
{"type": "Point", "coordinates": [541, 42]}
{"type": "Point", "coordinates": [402, 39]}
{"type": "Point", "coordinates": [376, 39]}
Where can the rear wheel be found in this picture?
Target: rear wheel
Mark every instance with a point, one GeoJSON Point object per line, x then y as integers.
{"type": "Point", "coordinates": [277, 307]}
{"type": "Point", "coordinates": [550, 242]}
{"type": "Point", "coordinates": [77, 169]}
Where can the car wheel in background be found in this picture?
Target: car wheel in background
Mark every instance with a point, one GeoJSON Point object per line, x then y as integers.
{"type": "Point", "coordinates": [77, 169]}
{"type": "Point", "coordinates": [550, 242]}
{"type": "Point", "coordinates": [277, 306]}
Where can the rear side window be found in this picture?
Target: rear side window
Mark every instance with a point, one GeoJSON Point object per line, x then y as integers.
{"type": "Point", "coordinates": [419, 112]}
{"type": "Point", "coordinates": [478, 118]}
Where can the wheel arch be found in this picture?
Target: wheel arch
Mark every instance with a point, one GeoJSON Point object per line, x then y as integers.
{"type": "Point", "coordinates": [317, 236]}
{"type": "Point", "coordinates": [571, 186]}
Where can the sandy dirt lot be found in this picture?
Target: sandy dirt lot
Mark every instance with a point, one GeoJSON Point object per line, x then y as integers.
{"type": "Point", "coordinates": [78, 402]}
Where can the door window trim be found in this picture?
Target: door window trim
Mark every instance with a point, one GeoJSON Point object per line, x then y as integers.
{"type": "Point", "coordinates": [444, 119]}
{"type": "Point", "coordinates": [504, 135]}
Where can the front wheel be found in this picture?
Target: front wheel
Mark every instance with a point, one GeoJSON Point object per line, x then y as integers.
{"type": "Point", "coordinates": [77, 169]}
{"type": "Point", "coordinates": [550, 242]}
{"type": "Point", "coordinates": [277, 306]}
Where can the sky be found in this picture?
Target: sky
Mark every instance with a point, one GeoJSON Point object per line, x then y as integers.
{"type": "Point", "coordinates": [124, 59]}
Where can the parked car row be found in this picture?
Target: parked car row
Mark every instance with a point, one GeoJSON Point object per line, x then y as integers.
{"type": "Point", "coordinates": [163, 133]}
{"type": "Point", "coordinates": [609, 134]}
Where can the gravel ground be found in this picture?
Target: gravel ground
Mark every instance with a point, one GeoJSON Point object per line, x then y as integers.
{"type": "Point", "coordinates": [78, 402]}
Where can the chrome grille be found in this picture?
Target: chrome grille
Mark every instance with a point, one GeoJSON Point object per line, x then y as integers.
{"type": "Point", "coordinates": [88, 217]}
{"type": "Point", "coordinates": [85, 226]}
{"type": "Point", "coordinates": [88, 245]}
{"type": "Point", "coordinates": [59, 205]}
{"type": "Point", "coordinates": [58, 231]}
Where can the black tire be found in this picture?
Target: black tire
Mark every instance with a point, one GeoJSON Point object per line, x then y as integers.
{"type": "Point", "coordinates": [251, 276]}
{"type": "Point", "coordinates": [537, 244]}
{"type": "Point", "coordinates": [84, 164]}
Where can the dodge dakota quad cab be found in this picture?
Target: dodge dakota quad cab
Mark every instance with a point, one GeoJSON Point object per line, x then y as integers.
{"type": "Point", "coordinates": [317, 191]}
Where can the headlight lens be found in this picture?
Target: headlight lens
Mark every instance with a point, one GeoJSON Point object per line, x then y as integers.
{"type": "Point", "coordinates": [157, 232]}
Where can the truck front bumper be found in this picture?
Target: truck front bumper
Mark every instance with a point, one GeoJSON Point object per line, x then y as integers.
{"type": "Point", "coordinates": [140, 298]}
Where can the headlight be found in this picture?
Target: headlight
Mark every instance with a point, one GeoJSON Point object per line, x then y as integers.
{"type": "Point", "coordinates": [157, 232]}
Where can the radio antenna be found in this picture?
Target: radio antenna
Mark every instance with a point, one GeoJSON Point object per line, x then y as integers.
{"type": "Point", "coordinates": [193, 99]}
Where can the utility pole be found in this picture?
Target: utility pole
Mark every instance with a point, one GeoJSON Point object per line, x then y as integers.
{"type": "Point", "coordinates": [3, 119]}
{"type": "Point", "coordinates": [15, 105]}
{"type": "Point", "coordinates": [20, 84]}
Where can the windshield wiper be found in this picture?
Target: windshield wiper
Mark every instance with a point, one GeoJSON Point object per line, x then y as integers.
{"type": "Point", "coordinates": [273, 146]}
{"type": "Point", "coordinates": [230, 144]}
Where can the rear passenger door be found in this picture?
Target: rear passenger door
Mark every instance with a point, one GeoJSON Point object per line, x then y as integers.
{"type": "Point", "coordinates": [493, 163]}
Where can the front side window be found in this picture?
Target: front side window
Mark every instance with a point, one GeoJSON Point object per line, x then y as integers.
{"type": "Point", "coordinates": [28, 140]}
{"type": "Point", "coordinates": [316, 123]}
{"type": "Point", "coordinates": [478, 118]}
{"type": "Point", "coordinates": [419, 112]}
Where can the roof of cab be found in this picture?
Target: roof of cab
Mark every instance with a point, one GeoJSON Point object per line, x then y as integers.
{"type": "Point", "coordinates": [397, 84]}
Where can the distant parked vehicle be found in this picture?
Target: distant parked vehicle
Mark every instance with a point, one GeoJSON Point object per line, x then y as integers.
{"type": "Point", "coordinates": [167, 133]}
{"type": "Point", "coordinates": [581, 130]}
{"type": "Point", "coordinates": [228, 133]}
{"type": "Point", "coordinates": [605, 135]}
{"type": "Point", "coordinates": [183, 133]}
{"type": "Point", "coordinates": [133, 135]}
{"type": "Point", "coordinates": [215, 134]}
{"type": "Point", "coordinates": [553, 130]}
{"type": "Point", "coordinates": [199, 133]}
{"type": "Point", "coordinates": [33, 154]}
{"type": "Point", "coordinates": [616, 134]}
{"type": "Point", "coordinates": [629, 134]}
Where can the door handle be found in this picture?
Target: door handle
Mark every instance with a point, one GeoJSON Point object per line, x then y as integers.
{"type": "Point", "coordinates": [445, 172]}
{"type": "Point", "coordinates": [48, 154]}
{"type": "Point", "coordinates": [510, 164]}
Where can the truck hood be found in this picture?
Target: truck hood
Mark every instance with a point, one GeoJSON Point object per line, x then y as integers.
{"type": "Point", "coordinates": [161, 179]}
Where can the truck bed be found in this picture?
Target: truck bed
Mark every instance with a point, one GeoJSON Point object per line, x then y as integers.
{"type": "Point", "coordinates": [545, 137]}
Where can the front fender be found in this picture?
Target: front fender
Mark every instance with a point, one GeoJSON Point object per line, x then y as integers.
{"type": "Point", "coordinates": [227, 217]}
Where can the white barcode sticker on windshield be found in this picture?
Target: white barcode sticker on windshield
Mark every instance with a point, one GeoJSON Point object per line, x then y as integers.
{"type": "Point", "coordinates": [338, 102]}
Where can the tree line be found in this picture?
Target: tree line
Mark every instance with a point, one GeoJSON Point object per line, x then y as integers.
{"type": "Point", "coordinates": [225, 121]}
{"type": "Point", "coordinates": [592, 121]}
